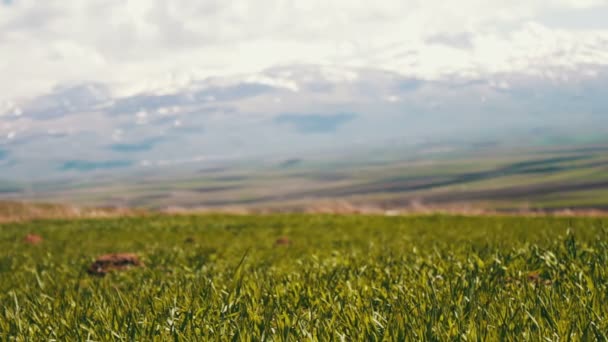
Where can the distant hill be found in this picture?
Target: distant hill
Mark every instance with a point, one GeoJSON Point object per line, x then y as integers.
{"type": "Point", "coordinates": [12, 211]}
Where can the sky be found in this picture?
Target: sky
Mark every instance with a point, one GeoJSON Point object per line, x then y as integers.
{"type": "Point", "coordinates": [109, 78]}
{"type": "Point", "coordinates": [136, 45]}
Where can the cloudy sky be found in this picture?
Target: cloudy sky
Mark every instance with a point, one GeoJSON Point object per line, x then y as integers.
{"type": "Point", "coordinates": [104, 83]}
{"type": "Point", "coordinates": [136, 45]}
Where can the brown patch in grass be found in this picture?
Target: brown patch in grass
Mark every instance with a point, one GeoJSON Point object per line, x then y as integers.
{"type": "Point", "coordinates": [33, 239]}
{"type": "Point", "coordinates": [282, 241]}
{"type": "Point", "coordinates": [534, 278]}
{"type": "Point", "coordinates": [114, 262]}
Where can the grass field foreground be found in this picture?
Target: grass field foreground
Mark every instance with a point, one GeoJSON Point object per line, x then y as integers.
{"type": "Point", "coordinates": [331, 278]}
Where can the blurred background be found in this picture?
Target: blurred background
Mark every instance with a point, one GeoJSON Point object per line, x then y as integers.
{"type": "Point", "coordinates": [280, 105]}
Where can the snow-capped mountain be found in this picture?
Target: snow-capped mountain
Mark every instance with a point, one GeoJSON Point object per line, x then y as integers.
{"type": "Point", "coordinates": [286, 110]}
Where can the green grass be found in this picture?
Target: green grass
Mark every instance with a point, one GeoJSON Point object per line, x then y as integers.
{"type": "Point", "coordinates": [342, 278]}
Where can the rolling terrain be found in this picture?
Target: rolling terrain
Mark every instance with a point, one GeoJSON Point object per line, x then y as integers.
{"type": "Point", "coordinates": [492, 177]}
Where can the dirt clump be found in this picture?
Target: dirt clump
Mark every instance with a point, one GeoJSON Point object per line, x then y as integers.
{"type": "Point", "coordinates": [534, 278]}
{"type": "Point", "coordinates": [282, 241]}
{"type": "Point", "coordinates": [33, 239]}
{"type": "Point", "coordinates": [114, 262]}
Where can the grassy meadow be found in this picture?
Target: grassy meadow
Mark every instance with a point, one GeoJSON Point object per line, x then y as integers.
{"type": "Point", "coordinates": [221, 277]}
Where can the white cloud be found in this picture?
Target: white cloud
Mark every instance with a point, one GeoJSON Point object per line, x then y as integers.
{"type": "Point", "coordinates": [141, 44]}
{"type": "Point", "coordinates": [273, 82]}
